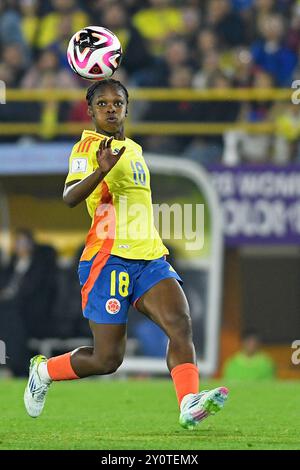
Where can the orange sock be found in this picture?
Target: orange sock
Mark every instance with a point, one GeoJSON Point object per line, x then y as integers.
{"type": "Point", "coordinates": [59, 368]}
{"type": "Point", "coordinates": [186, 380]}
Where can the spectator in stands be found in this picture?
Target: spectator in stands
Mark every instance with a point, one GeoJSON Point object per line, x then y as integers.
{"type": "Point", "coordinates": [48, 65]}
{"type": "Point", "coordinates": [293, 34]}
{"type": "Point", "coordinates": [60, 44]}
{"type": "Point", "coordinates": [172, 111]}
{"type": "Point", "coordinates": [261, 12]}
{"type": "Point", "coordinates": [158, 23]}
{"type": "Point", "coordinates": [12, 111]}
{"type": "Point", "coordinates": [8, 76]}
{"type": "Point", "coordinates": [241, 5]}
{"type": "Point", "coordinates": [212, 57]}
{"type": "Point", "coordinates": [264, 7]}
{"type": "Point", "coordinates": [287, 135]}
{"type": "Point", "coordinates": [13, 57]}
{"type": "Point", "coordinates": [271, 54]}
{"type": "Point", "coordinates": [205, 36]}
{"type": "Point", "coordinates": [221, 111]}
{"type": "Point", "coordinates": [255, 16]}
{"type": "Point", "coordinates": [176, 54]}
{"type": "Point", "coordinates": [208, 149]}
{"type": "Point", "coordinates": [243, 69]}
{"type": "Point", "coordinates": [191, 17]}
{"type": "Point", "coordinates": [207, 43]}
{"type": "Point", "coordinates": [245, 10]}
{"type": "Point", "coordinates": [12, 67]}
{"type": "Point", "coordinates": [242, 147]}
{"type": "Point", "coordinates": [27, 294]}
{"type": "Point", "coordinates": [227, 24]}
{"type": "Point", "coordinates": [250, 363]}
{"type": "Point", "coordinates": [47, 74]}
{"type": "Point", "coordinates": [51, 23]}
{"type": "Point", "coordinates": [30, 21]}
{"type": "Point", "coordinates": [136, 55]}
{"type": "Point", "coordinates": [210, 65]}
{"type": "Point", "coordinates": [10, 28]}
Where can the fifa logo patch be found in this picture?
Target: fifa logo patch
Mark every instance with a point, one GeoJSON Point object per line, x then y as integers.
{"type": "Point", "coordinates": [79, 165]}
{"type": "Point", "coordinates": [113, 306]}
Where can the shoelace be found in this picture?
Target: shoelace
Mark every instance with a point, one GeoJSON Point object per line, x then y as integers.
{"type": "Point", "coordinates": [40, 392]}
{"type": "Point", "coordinates": [195, 400]}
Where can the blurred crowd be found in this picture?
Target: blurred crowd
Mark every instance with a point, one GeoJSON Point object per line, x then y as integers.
{"type": "Point", "coordinates": [197, 44]}
{"type": "Point", "coordinates": [37, 300]}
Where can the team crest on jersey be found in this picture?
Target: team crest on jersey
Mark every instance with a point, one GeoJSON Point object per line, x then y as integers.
{"type": "Point", "coordinates": [113, 306]}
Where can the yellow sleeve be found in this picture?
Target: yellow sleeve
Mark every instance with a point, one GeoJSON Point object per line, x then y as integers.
{"type": "Point", "coordinates": [80, 165]}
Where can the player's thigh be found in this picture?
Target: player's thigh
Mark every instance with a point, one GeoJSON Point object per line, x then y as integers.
{"type": "Point", "coordinates": [166, 304]}
{"type": "Point", "coordinates": [109, 340]}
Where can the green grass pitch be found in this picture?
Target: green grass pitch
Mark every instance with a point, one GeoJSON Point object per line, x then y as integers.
{"type": "Point", "coordinates": [142, 414]}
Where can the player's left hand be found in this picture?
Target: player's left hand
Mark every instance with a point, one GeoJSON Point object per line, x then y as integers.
{"type": "Point", "coordinates": [106, 157]}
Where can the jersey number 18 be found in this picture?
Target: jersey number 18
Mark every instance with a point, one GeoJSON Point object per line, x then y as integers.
{"type": "Point", "coordinates": [139, 174]}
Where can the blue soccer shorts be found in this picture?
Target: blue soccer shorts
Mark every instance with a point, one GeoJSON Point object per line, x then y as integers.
{"type": "Point", "coordinates": [110, 284]}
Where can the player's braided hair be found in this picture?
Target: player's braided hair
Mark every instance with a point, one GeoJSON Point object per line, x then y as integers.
{"type": "Point", "coordinates": [104, 83]}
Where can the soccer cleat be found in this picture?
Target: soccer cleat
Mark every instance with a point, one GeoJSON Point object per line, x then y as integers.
{"type": "Point", "coordinates": [36, 389]}
{"type": "Point", "coordinates": [198, 406]}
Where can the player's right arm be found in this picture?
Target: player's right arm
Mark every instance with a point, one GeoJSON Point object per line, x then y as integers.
{"type": "Point", "coordinates": [78, 190]}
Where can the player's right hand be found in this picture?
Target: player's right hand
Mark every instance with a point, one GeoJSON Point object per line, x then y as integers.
{"type": "Point", "coordinates": [106, 157]}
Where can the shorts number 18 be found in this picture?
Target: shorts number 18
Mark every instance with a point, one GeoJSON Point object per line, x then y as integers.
{"type": "Point", "coordinates": [123, 283]}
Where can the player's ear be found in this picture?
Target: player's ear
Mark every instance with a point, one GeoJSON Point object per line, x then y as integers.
{"type": "Point", "coordinates": [90, 111]}
{"type": "Point", "coordinates": [126, 112]}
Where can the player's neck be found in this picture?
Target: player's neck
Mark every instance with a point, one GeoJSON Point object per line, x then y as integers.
{"type": "Point", "coordinates": [119, 135]}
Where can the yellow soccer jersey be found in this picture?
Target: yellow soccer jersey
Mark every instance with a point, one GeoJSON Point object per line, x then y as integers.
{"type": "Point", "coordinates": [121, 205]}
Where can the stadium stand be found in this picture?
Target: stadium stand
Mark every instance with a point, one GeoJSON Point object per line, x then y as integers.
{"type": "Point", "coordinates": [198, 44]}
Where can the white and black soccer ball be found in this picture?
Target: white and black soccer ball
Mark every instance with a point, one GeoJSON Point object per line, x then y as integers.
{"type": "Point", "coordinates": [94, 53]}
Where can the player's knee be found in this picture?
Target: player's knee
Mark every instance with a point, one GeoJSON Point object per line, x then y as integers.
{"type": "Point", "coordinates": [184, 325]}
{"type": "Point", "coordinates": [180, 324]}
{"type": "Point", "coordinates": [112, 365]}
{"type": "Point", "coordinates": [107, 365]}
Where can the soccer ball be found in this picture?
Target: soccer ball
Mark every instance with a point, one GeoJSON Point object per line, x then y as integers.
{"type": "Point", "coordinates": [94, 53]}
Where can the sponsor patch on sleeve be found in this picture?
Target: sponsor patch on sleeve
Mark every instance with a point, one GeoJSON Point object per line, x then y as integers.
{"type": "Point", "coordinates": [78, 165]}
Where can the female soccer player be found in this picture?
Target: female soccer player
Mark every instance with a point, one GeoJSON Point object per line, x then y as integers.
{"type": "Point", "coordinates": [123, 263]}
